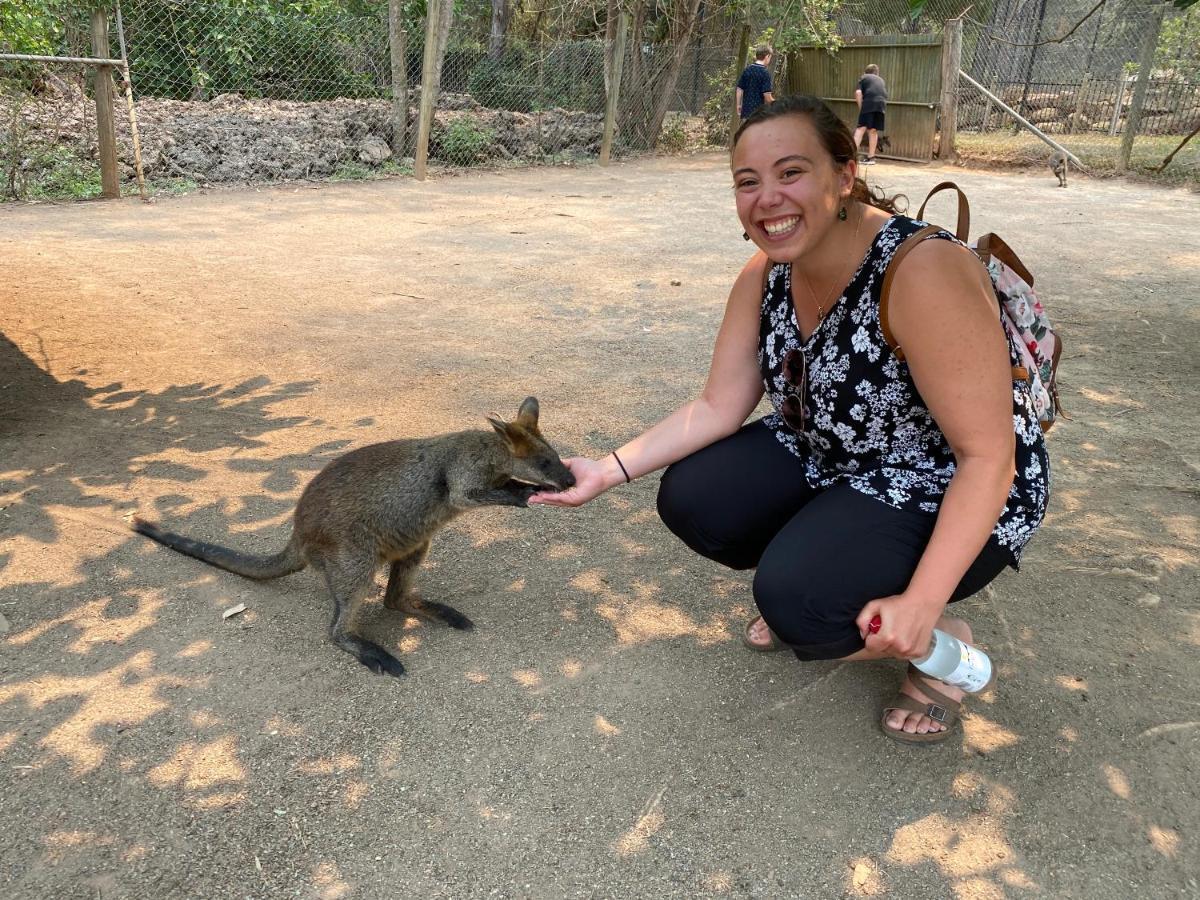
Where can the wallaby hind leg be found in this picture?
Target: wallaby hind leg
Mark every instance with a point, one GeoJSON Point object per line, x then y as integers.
{"type": "Point", "coordinates": [400, 595]}
{"type": "Point", "coordinates": [400, 578]}
{"type": "Point", "coordinates": [348, 581]}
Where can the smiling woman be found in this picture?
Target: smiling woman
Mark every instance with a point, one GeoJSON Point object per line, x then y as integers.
{"type": "Point", "coordinates": [880, 486]}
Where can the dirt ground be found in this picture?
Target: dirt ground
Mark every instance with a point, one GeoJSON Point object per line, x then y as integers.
{"type": "Point", "coordinates": [602, 733]}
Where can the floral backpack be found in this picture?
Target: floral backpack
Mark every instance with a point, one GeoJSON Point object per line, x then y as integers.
{"type": "Point", "coordinates": [1023, 315]}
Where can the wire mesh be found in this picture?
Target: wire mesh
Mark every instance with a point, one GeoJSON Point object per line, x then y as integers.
{"type": "Point", "coordinates": [233, 91]}
{"type": "Point", "coordinates": [1075, 86]}
{"type": "Point", "coordinates": [48, 144]}
{"type": "Point", "coordinates": [230, 91]}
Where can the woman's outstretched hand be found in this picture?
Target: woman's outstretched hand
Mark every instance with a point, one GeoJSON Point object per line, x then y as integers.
{"type": "Point", "coordinates": [590, 482]}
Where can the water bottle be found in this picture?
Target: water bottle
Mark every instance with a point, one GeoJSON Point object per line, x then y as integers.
{"type": "Point", "coordinates": [953, 661]}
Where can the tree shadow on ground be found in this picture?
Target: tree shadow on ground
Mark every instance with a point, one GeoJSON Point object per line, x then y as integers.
{"type": "Point", "coordinates": [98, 650]}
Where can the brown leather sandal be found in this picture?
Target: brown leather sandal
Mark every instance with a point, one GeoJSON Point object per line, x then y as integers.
{"type": "Point", "coordinates": [771, 646]}
{"type": "Point", "coordinates": [942, 709]}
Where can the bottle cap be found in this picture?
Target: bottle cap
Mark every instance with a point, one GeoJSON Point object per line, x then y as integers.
{"type": "Point", "coordinates": [874, 625]}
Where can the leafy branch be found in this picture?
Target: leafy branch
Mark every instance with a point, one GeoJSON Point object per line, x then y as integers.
{"type": "Point", "coordinates": [916, 7]}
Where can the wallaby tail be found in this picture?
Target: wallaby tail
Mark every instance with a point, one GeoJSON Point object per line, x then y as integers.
{"type": "Point", "coordinates": [260, 568]}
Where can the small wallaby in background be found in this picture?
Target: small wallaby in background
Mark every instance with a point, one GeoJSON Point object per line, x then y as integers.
{"type": "Point", "coordinates": [382, 504]}
{"type": "Point", "coordinates": [1058, 165]}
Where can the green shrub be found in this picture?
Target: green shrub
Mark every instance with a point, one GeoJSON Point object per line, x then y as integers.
{"type": "Point", "coordinates": [673, 137]}
{"type": "Point", "coordinates": [718, 108]}
{"type": "Point", "coordinates": [465, 142]}
{"type": "Point", "coordinates": [56, 172]}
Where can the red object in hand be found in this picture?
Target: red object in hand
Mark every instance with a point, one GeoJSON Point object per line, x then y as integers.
{"type": "Point", "coordinates": [874, 625]}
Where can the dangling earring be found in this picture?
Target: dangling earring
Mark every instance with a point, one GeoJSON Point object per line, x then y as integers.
{"type": "Point", "coordinates": [745, 236]}
{"type": "Point", "coordinates": [842, 214]}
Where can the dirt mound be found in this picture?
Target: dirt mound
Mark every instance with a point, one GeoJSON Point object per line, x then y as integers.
{"type": "Point", "coordinates": [233, 139]}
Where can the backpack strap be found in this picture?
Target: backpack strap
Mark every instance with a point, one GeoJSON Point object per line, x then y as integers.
{"type": "Point", "coordinates": [1019, 373]}
{"type": "Point", "coordinates": [964, 208]}
{"type": "Point", "coordinates": [905, 246]}
{"type": "Point", "coordinates": [992, 246]}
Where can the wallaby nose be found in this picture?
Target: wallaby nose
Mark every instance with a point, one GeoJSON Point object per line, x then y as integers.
{"type": "Point", "coordinates": [569, 480]}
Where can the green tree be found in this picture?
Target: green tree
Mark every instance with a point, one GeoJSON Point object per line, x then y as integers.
{"type": "Point", "coordinates": [33, 26]}
{"type": "Point", "coordinates": [1179, 43]}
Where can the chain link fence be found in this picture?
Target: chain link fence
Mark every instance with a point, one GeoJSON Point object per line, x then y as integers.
{"type": "Point", "coordinates": [1069, 67]}
{"type": "Point", "coordinates": [1078, 86]}
{"type": "Point", "coordinates": [47, 115]}
{"type": "Point", "coordinates": [227, 93]}
{"type": "Point", "coordinates": [237, 91]}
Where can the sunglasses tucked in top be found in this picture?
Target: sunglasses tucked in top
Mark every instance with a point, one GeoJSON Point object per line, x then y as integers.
{"type": "Point", "coordinates": [795, 373]}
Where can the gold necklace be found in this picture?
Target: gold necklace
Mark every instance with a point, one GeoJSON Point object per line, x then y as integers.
{"type": "Point", "coordinates": [829, 296]}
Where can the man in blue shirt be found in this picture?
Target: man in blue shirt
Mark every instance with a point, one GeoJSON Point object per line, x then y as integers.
{"type": "Point", "coordinates": [754, 87]}
{"type": "Point", "coordinates": [872, 102]}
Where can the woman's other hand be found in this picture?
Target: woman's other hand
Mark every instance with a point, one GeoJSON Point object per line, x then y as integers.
{"type": "Point", "coordinates": [906, 625]}
{"type": "Point", "coordinates": [591, 480]}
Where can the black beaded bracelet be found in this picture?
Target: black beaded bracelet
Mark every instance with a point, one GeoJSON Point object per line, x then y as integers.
{"type": "Point", "coordinates": [624, 471]}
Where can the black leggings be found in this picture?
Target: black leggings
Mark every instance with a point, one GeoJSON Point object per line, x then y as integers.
{"type": "Point", "coordinates": [821, 555]}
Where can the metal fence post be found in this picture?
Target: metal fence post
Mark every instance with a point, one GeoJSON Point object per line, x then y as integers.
{"type": "Point", "coordinates": [428, 63]}
{"type": "Point", "coordinates": [614, 90]}
{"type": "Point", "coordinates": [1116, 116]}
{"type": "Point", "coordinates": [1080, 99]}
{"type": "Point", "coordinates": [951, 63]}
{"type": "Point", "coordinates": [106, 134]}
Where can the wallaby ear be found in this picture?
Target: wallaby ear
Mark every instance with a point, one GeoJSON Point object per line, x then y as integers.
{"type": "Point", "coordinates": [501, 428]}
{"type": "Point", "coordinates": [527, 415]}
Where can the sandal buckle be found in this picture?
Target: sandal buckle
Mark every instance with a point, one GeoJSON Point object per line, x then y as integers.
{"type": "Point", "coordinates": [937, 713]}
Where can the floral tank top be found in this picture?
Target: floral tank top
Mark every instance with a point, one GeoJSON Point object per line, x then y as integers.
{"type": "Point", "coordinates": [865, 422]}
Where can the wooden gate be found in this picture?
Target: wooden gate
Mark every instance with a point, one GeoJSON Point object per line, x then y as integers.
{"type": "Point", "coordinates": [910, 65]}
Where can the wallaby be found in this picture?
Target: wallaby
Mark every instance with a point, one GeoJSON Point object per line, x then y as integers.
{"type": "Point", "coordinates": [1058, 165]}
{"type": "Point", "coordinates": [382, 504]}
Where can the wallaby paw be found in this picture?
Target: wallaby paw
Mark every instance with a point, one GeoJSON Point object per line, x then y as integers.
{"type": "Point", "coordinates": [380, 661]}
{"type": "Point", "coordinates": [520, 492]}
{"type": "Point", "coordinates": [450, 616]}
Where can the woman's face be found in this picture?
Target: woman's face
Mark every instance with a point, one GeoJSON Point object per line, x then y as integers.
{"type": "Point", "coordinates": [787, 186]}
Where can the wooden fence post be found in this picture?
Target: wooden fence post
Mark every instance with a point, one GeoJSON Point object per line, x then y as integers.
{"type": "Point", "coordinates": [428, 88]}
{"type": "Point", "coordinates": [106, 134]}
{"type": "Point", "coordinates": [951, 63]}
{"type": "Point", "coordinates": [614, 90]}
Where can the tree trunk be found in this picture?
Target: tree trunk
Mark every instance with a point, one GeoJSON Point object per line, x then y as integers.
{"type": "Point", "coordinates": [636, 64]}
{"type": "Point", "coordinates": [1023, 106]}
{"type": "Point", "coordinates": [397, 45]}
{"type": "Point", "coordinates": [612, 14]}
{"type": "Point", "coordinates": [739, 62]}
{"type": "Point", "coordinates": [655, 89]}
{"type": "Point", "coordinates": [500, 12]}
{"type": "Point", "coordinates": [1145, 71]}
{"type": "Point", "coordinates": [446, 16]}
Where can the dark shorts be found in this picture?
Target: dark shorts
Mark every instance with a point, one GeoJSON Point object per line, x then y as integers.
{"type": "Point", "coordinates": [871, 120]}
{"type": "Point", "coordinates": [820, 556]}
